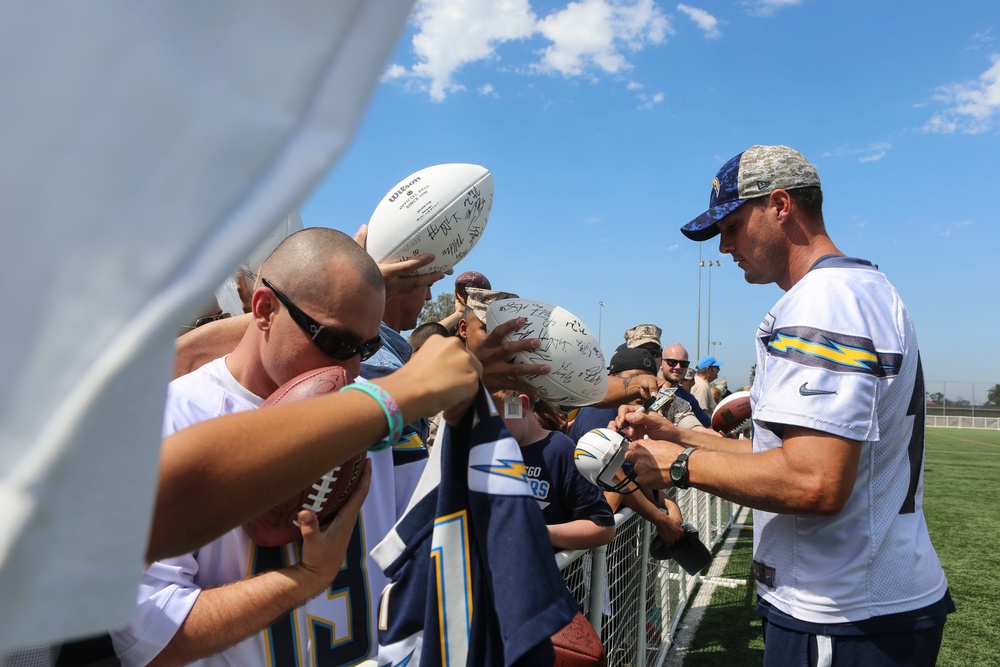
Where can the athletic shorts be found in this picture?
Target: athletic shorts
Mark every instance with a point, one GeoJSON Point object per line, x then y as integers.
{"type": "Point", "coordinates": [790, 648]}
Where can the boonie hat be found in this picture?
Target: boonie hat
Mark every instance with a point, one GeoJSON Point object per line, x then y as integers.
{"type": "Point", "coordinates": [480, 299]}
{"type": "Point", "coordinates": [642, 334]}
{"type": "Point", "coordinates": [757, 171]}
{"type": "Point", "coordinates": [632, 358]}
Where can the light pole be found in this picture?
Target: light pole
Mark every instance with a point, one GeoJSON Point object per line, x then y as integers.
{"type": "Point", "coordinates": [708, 335]}
{"type": "Point", "coordinates": [697, 336]}
{"type": "Point", "coordinates": [600, 313]}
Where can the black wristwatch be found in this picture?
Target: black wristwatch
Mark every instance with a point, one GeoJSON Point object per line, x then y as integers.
{"type": "Point", "coordinates": [679, 469]}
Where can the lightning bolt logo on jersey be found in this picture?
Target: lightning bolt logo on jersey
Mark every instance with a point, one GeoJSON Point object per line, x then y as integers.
{"type": "Point", "coordinates": [472, 527]}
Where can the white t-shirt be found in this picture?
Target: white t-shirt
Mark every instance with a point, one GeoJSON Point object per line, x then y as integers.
{"type": "Point", "coordinates": [838, 353]}
{"type": "Point", "coordinates": [336, 627]}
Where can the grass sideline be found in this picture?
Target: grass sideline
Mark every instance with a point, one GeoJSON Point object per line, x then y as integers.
{"type": "Point", "coordinates": [961, 501]}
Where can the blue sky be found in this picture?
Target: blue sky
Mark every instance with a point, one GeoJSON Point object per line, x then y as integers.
{"type": "Point", "coordinates": [604, 123]}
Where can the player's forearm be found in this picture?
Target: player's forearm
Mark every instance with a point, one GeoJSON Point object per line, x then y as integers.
{"type": "Point", "coordinates": [224, 616]}
{"type": "Point", "coordinates": [710, 440]}
{"type": "Point", "coordinates": [763, 481]}
{"type": "Point", "coordinates": [580, 534]}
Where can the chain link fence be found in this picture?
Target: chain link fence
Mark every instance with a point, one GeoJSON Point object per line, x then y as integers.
{"type": "Point", "coordinates": [634, 601]}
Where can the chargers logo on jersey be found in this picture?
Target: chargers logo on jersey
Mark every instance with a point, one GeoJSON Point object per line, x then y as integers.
{"type": "Point", "coordinates": [499, 469]}
{"type": "Point", "coordinates": [815, 347]}
{"type": "Point", "coordinates": [506, 468]}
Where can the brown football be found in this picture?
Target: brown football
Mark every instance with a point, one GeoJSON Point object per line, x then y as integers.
{"type": "Point", "coordinates": [732, 414]}
{"type": "Point", "coordinates": [279, 525]}
{"type": "Point", "coordinates": [577, 645]}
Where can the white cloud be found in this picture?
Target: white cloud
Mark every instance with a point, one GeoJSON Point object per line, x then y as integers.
{"type": "Point", "coordinates": [591, 34]}
{"type": "Point", "coordinates": [872, 158]}
{"type": "Point", "coordinates": [586, 38]}
{"type": "Point", "coordinates": [981, 40]}
{"type": "Point", "coordinates": [972, 107]}
{"type": "Point", "coordinates": [453, 33]}
{"type": "Point", "coordinates": [394, 72]}
{"type": "Point", "coordinates": [956, 227]}
{"type": "Point", "coordinates": [870, 153]}
{"type": "Point", "coordinates": [769, 7]}
{"type": "Point", "coordinates": [647, 102]}
{"type": "Point", "coordinates": [708, 23]}
{"type": "Point", "coordinates": [487, 90]}
{"type": "Point", "coordinates": [672, 248]}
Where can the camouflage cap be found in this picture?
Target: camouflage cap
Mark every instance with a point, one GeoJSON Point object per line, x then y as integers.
{"type": "Point", "coordinates": [757, 171]}
{"type": "Point", "coordinates": [478, 300]}
{"type": "Point", "coordinates": [642, 334]}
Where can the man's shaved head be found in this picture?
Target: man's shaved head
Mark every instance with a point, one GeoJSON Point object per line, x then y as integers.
{"type": "Point", "coordinates": [300, 264]}
{"type": "Point", "coordinates": [331, 279]}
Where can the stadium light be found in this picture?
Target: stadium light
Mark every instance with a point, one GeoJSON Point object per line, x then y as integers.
{"type": "Point", "coordinates": [600, 313]}
{"type": "Point", "coordinates": [708, 336]}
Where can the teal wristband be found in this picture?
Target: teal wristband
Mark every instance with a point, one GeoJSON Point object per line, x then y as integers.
{"type": "Point", "coordinates": [393, 416]}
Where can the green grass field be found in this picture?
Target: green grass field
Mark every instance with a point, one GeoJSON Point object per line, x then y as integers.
{"type": "Point", "coordinates": [962, 506]}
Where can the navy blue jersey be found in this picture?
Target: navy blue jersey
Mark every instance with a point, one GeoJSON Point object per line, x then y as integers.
{"type": "Point", "coordinates": [473, 580]}
{"type": "Point", "coordinates": [395, 351]}
{"type": "Point", "coordinates": [696, 408]}
{"type": "Point", "coordinates": [562, 492]}
{"type": "Point", "coordinates": [587, 419]}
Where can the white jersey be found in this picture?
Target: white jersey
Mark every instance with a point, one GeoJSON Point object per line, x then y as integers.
{"type": "Point", "coordinates": [337, 627]}
{"type": "Point", "coordinates": [838, 353]}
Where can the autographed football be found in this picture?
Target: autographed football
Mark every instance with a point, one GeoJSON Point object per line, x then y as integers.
{"type": "Point", "coordinates": [577, 645]}
{"type": "Point", "coordinates": [441, 209]}
{"type": "Point", "coordinates": [279, 525]}
{"type": "Point", "coordinates": [732, 414]}
{"type": "Point", "coordinates": [579, 373]}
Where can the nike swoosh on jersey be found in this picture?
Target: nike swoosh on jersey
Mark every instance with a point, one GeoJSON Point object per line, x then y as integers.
{"type": "Point", "coordinates": [805, 391]}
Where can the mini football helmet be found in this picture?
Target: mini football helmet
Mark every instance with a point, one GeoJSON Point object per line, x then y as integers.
{"type": "Point", "coordinates": [599, 455]}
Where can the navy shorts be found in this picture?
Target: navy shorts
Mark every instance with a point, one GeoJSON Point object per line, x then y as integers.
{"type": "Point", "coordinates": [789, 648]}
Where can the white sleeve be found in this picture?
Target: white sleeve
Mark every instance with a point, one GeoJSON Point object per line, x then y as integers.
{"type": "Point", "coordinates": [167, 593]}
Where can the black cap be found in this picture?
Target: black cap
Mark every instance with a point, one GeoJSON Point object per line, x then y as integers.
{"type": "Point", "coordinates": [632, 358]}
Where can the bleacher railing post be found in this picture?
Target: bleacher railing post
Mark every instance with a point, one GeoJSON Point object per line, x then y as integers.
{"type": "Point", "coordinates": [640, 640]}
{"type": "Point", "coordinates": [598, 587]}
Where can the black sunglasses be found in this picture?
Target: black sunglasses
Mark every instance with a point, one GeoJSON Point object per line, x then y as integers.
{"type": "Point", "coordinates": [331, 344]}
{"type": "Point", "coordinates": [677, 362]}
{"type": "Point", "coordinates": [654, 351]}
{"type": "Point", "coordinates": [201, 321]}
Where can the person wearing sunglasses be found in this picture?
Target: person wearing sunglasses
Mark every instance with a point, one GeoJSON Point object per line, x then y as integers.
{"type": "Point", "coordinates": [671, 372]}
{"type": "Point", "coordinates": [319, 302]}
{"type": "Point", "coordinates": [673, 364]}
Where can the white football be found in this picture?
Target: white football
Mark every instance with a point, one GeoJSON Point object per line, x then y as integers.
{"type": "Point", "coordinates": [441, 209]}
{"type": "Point", "coordinates": [579, 374]}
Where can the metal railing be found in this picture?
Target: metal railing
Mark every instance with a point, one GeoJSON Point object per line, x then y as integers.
{"type": "Point", "coordinates": [634, 601]}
